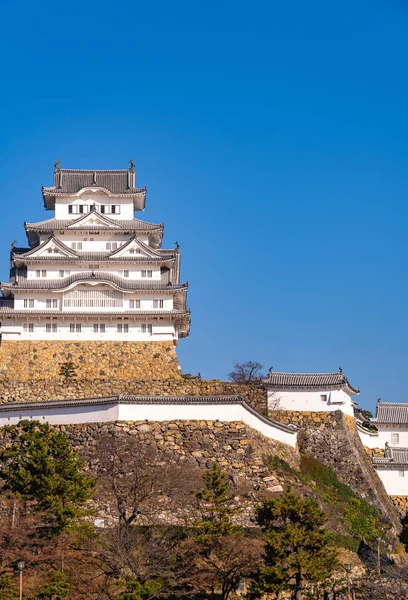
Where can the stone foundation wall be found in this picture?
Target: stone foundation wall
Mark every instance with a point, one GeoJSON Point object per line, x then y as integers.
{"type": "Point", "coordinates": [240, 452]}
{"type": "Point", "coordinates": [125, 361]}
{"type": "Point", "coordinates": [59, 389]}
{"type": "Point", "coordinates": [401, 504]}
{"type": "Point", "coordinates": [333, 439]}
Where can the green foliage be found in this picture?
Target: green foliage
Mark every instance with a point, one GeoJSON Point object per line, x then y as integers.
{"type": "Point", "coordinates": [215, 503]}
{"type": "Point", "coordinates": [57, 588]}
{"type": "Point", "coordinates": [280, 465]}
{"type": "Point", "coordinates": [68, 370]}
{"type": "Point", "coordinates": [297, 546]}
{"type": "Point", "coordinates": [135, 590]}
{"type": "Point", "coordinates": [344, 541]}
{"type": "Point", "coordinates": [360, 519]}
{"type": "Point", "coordinates": [39, 465]}
{"type": "Point", "coordinates": [8, 589]}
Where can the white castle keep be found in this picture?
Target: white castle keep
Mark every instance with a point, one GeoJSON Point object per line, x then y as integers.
{"type": "Point", "coordinates": [93, 272]}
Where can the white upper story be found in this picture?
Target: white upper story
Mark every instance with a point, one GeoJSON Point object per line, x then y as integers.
{"type": "Point", "coordinates": [94, 259]}
{"type": "Point", "coordinates": [310, 392]}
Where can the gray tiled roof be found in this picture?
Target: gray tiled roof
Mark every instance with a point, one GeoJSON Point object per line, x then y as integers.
{"type": "Point", "coordinates": [6, 310]}
{"type": "Point", "coordinates": [63, 283]}
{"type": "Point", "coordinates": [308, 380]}
{"type": "Point", "coordinates": [394, 458]}
{"type": "Point", "coordinates": [63, 224]}
{"type": "Point", "coordinates": [70, 181]}
{"type": "Point", "coordinates": [391, 412]}
{"type": "Point", "coordinates": [122, 399]}
{"type": "Point", "coordinates": [96, 257]}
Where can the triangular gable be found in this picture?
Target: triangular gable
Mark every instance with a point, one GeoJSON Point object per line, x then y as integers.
{"type": "Point", "coordinates": [133, 244]}
{"type": "Point", "coordinates": [94, 219]}
{"type": "Point", "coordinates": [42, 250]}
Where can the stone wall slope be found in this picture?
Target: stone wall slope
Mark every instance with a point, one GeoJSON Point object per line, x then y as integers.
{"type": "Point", "coordinates": [333, 439]}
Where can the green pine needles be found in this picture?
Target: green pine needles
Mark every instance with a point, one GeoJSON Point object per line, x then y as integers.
{"type": "Point", "coordinates": [39, 465]}
{"type": "Point", "coordinates": [297, 546]}
{"type": "Point", "coordinates": [216, 505]}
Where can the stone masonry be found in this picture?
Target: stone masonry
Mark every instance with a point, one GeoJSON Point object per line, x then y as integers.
{"type": "Point", "coordinates": [333, 439]}
{"type": "Point", "coordinates": [60, 389]}
{"type": "Point", "coordinates": [124, 361]}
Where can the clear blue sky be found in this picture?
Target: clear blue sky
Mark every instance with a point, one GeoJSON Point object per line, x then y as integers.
{"type": "Point", "coordinates": [272, 137]}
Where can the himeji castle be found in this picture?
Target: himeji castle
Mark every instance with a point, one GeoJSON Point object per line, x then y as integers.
{"type": "Point", "coordinates": [93, 271]}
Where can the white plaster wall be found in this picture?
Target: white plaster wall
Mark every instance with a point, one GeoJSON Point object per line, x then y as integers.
{"type": "Point", "coordinates": [149, 412]}
{"type": "Point", "coordinates": [394, 483]}
{"type": "Point", "coordinates": [89, 198]}
{"type": "Point", "coordinates": [53, 270]}
{"type": "Point", "coordinates": [369, 440]}
{"type": "Point", "coordinates": [146, 302]}
{"type": "Point", "coordinates": [310, 400]}
{"type": "Point", "coordinates": [161, 331]}
{"type": "Point", "coordinates": [385, 435]}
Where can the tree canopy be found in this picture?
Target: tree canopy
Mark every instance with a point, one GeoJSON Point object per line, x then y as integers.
{"type": "Point", "coordinates": [39, 465]}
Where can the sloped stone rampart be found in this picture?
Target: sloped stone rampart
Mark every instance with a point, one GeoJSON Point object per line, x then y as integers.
{"type": "Point", "coordinates": [27, 360]}
{"type": "Point", "coordinates": [59, 389]}
{"type": "Point", "coordinates": [333, 439]}
{"type": "Point", "coordinates": [239, 451]}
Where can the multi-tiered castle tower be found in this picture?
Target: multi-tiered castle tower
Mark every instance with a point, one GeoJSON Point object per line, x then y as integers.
{"type": "Point", "coordinates": [93, 272]}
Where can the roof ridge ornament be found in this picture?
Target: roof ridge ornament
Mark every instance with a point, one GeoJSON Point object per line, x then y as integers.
{"type": "Point", "coordinates": [56, 165]}
{"type": "Point", "coordinates": [132, 166]}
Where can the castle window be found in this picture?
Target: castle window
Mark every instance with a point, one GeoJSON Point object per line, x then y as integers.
{"type": "Point", "coordinates": [158, 303]}
{"type": "Point", "coordinates": [395, 438]}
{"type": "Point", "coordinates": [134, 303]}
{"type": "Point", "coordinates": [51, 303]}
{"type": "Point", "coordinates": [99, 327]}
{"type": "Point", "coordinates": [122, 328]}
{"type": "Point", "coordinates": [111, 245]}
{"type": "Point", "coordinates": [61, 273]}
{"type": "Point", "coordinates": [93, 298]}
{"type": "Point", "coordinates": [49, 250]}
{"type": "Point", "coordinates": [70, 209]}
{"type": "Point", "coordinates": [147, 328]}
{"type": "Point", "coordinates": [323, 397]}
{"type": "Point", "coordinates": [401, 473]}
{"type": "Point", "coordinates": [115, 209]}
{"type": "Point", "coordinates": [29, 327]}
{"type": "Point", "coordinates": [76, 245]}
{"type": "Point", "coordinates": [28, 302]}
{"type": "Point", "coordinates": [75, 328]}
{"type": "Point", "coordinates": [51, 328]}
{"type": "Point", "coordinates": [125, 273]}
{"type": "Point", "coordinates": [147, 273]}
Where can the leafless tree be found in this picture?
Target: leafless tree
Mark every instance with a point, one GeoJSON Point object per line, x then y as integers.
{"type": "Point", "coordinates": [246, 372]}
{"type": "Point", "coordinates": [145, 485]}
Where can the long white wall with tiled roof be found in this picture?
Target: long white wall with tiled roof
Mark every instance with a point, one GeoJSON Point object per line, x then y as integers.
{"type": "Point", "coordinates": [101, 410]}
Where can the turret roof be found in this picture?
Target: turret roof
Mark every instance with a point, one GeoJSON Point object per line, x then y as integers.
{"type": "Point", "coordinates": [393, 413]}
{"type": "Point", "coordinates": [112, 182]}
{"type": "Point", "coordinates": [90, 277]}
{"type": "Point", "coordinates": [336, 379]}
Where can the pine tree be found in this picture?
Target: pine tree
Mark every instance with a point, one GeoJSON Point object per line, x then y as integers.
{"type": "Point", "coordinates": [215, 503]}
{"type": "Point", "coordinates": [136, 590]}
{"type": "Point", "coordinates": [39, 465]}
{"type": "Point", "coordinates": [68, 369]}
{"type": "Point", "coordinates": [8, 590]}
{"type": "Point", "coordinates": [296, 546]}
{"type": "Point", "coordinates": [57, 588]}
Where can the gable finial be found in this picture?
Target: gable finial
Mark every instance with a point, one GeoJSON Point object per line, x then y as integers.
{"type": "Point", "coordinates": [177, 245]}
{"type": "Point", "coordinates": [132, 166]}
{"type": "Point", "coordinates": [56, 165]}
{"type": "Point", "coordinates": [270, 370]}
{"type": "Point", "coordinates": [340, 370]}
{"type": "Point", "coordinates": [13, 243]}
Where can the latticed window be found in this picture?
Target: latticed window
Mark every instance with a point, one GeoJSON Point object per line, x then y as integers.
{"type": "Point", "coordinates": [93, 299]}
